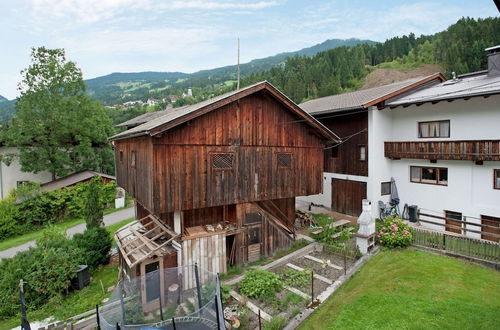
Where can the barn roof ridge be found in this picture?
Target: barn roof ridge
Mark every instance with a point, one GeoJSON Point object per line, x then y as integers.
{"type": "Point", "coordinates": [180, 115]}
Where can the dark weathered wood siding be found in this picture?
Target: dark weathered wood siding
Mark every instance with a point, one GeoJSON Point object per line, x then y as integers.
{"type": "Point", "coordinates": [347, 160]}
{"type": "Point", "coordinates": [137, 180]}
{"type": "Point", "coordinates": [254, 129]}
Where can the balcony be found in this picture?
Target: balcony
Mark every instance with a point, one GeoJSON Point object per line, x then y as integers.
{"type": "Point", "coordinates": [474, 150]}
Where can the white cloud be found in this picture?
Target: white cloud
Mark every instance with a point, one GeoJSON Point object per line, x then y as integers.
{"type": "Point", "coordinates": [213, 5]}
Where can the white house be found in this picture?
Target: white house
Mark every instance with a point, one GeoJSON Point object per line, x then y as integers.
{"type": "Point", "coordinates": [11, 176]}
{"type": "Point", "coordinates": [441, 144]}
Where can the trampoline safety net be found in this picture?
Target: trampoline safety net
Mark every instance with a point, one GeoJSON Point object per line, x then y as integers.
{"type": "Point", "coordinates": [186, 297]}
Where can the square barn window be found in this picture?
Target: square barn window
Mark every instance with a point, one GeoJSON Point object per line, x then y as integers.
{"type": "Point", "coordinates": [434, 129]}
{"type": "Point", "coordinates": [430, 175]}
{"type": "Point", "coordinates": [496, 179]}
{"type": "Point", "coordinates": [385, 188]}
{"type": "Point", "coordinates": [284, 160]}
{"type": "Point", "coordinates": [222, 161]}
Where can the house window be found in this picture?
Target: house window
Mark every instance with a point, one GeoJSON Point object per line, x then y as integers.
{"type": "Point", "coordinates": [453, 220]}
{"type": "Point", "coordinates": [284, 160]}
{"type": "Point", "coordinates": [429, 175]}
{"type": "Point", "coordinates": [222, 161]}
{"type": "Point", "coordinates": [132, 158]}
{"type": "Point", "coordinates": [385, 188]}
{"type": "Point", "coordinates": [434, 129]}
{"type": "Point", "coordinates": [496, 179]}
{"type": "Point", "coordinates": [362, 153]}
{"type": "Point", "coordinates": [494, 228]}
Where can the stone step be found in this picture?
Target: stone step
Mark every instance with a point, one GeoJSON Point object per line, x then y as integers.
{"type": "Point", "coordinates": [316, 276]}
{"type": "Point", "coordinates": [328, 262]}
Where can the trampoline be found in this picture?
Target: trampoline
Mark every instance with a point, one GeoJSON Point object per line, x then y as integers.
{"type": "Point", "coordinates": [186, 297]}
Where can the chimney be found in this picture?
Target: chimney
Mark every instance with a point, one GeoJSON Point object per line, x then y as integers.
{"type": "Point", "coordinates": [493, 60]}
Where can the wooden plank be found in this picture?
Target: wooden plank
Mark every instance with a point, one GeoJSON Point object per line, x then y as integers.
{"type": "Point", "coordinates": [317, 276]}
{"type": "Point", "coordinates": [328, 263]}
{"type": "Point", "coordinates": [298, 292]}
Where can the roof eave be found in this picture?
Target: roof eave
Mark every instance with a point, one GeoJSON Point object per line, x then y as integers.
{"type": "Point", "coordinates": [406, 104]}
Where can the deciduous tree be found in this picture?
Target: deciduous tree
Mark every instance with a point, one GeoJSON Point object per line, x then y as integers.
{"type": "Point", "coordinates": [58, 127]}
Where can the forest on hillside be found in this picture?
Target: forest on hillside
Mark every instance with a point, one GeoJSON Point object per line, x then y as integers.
{"type": "Point", "coordinates": [460, 48]}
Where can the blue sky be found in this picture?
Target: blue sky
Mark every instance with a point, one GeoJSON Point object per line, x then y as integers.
{"type": "Point", "coordinates": [105, 36]}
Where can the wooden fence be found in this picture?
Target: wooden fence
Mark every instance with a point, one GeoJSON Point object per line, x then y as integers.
{"type": "Point", "coordinates": [458, 245]}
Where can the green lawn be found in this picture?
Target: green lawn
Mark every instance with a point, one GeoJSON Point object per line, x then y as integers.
{"type": "Point", "coordinates": [411, 289]}
{"type": "Point", "coordinates": [118, 225]}
{"type": "Point", "coordinates": [76, 302]}
{"type": "Point", "coordinates": [18, 240]}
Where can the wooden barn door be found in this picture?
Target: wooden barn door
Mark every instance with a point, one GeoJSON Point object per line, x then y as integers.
{"type": "Point", "coordinates": [347, 196]}
{"type": "Point", "coordinates": [253, 222]}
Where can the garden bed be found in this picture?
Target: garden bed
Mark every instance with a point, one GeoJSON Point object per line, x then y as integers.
{"type": "Point", "coordinates": [293, 293]}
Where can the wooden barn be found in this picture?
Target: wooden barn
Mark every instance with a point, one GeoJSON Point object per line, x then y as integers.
{"type": "Point", "coordinates": [215, 182]}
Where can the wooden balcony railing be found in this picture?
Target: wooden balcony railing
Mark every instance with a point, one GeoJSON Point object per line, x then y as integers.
{"type": "Point", "coordinates": [475, 150]}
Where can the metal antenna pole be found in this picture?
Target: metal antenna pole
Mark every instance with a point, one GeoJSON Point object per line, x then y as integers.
{"type": "Point", "coordinates": [238, 84]}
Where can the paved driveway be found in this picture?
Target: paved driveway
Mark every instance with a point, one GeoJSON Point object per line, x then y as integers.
{"type": "Point", "coordinates": [109, 219]}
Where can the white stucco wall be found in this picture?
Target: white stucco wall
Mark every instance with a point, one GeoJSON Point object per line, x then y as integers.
{"type": "Point", "coordinates": [10, 175]}
{"type": "Point", "coordinates": [470, 186]}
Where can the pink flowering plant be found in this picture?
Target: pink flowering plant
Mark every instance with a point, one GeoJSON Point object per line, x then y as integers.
{"type": "Point", "coordinates": [394, 233]}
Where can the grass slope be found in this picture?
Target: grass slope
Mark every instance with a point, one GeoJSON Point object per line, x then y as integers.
{"type": "Point", "coordinates": [412, 289]}
{"type": "Point", "coordinates": [32, 236]}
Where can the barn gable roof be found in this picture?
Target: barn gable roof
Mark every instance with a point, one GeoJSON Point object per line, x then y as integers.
{"type": "Point", "coordinates": [177, 116]}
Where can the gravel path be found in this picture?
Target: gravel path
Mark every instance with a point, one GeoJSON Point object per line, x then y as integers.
{"type": "Point", "coordinates": [109, 220]}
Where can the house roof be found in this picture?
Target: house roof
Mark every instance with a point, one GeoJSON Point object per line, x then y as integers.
{"type": "Point", "coordinates": [465, 86]}
{"type": "Point", "coordinates": [73, 179]}
{"type": "Point", "coordinates": [144, 118]}
{"type": "Point", "coordinates": [365, 98]}
{"type": "Point", "coordinates": [177, 116]}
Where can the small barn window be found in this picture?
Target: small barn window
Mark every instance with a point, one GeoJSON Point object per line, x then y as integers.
{"type": "Point", "coordinates": [252, 218]}
{"type": "Point", "coordinates": [132, 158]}
{"type": "Point", "coordinates": [496, 179]}
{"type": "Point", "coordinates": [254, 236]}
{"type": "Point", "coordinates": [284, 160]}
{"type": "Point", "coordinates": [222, 161]}
{"type": "Point", "coordinates": [385, 188]}
{"type": "Point", "coordinates": [121, 155]}
{"type": "Point", "coordinates": [362, 152]}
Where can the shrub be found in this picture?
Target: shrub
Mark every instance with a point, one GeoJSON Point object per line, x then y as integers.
{"type": "Point", "coordinates": [9, 213]}
{"type": "Point", "coordinates": [276, 323]}
{"type": "Point", "coordinates": [94, 245]}
{"type": "Point", "coordinates": [260, 284]}
{"type": "Point", "coordinates": [47, 272]}
{"type": "Point", "coordinates": [394, 233]}
{"type": "Point", "coordinates": [93, 206]}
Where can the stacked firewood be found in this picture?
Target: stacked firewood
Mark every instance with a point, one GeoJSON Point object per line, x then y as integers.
{"type": "Point", "coordinates": [304, 220]}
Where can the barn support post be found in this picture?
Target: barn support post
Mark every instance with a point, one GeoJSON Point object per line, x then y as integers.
{"type": "Point", "coordinates": [197, 277]}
